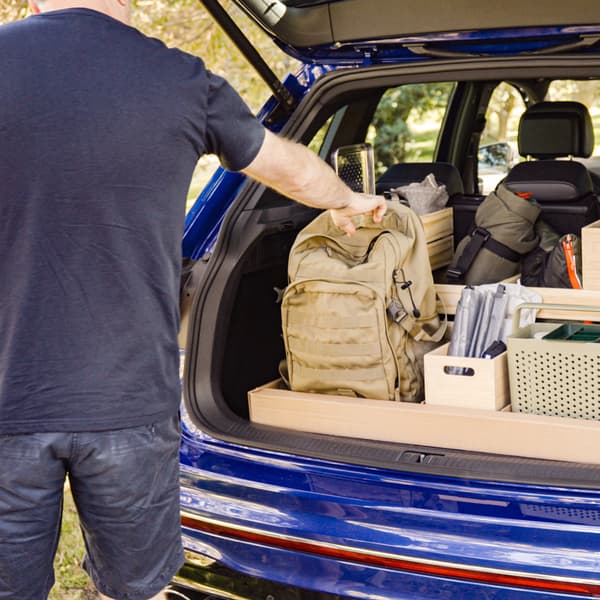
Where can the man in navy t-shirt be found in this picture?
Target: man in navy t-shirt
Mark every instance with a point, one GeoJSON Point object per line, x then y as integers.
{"type": "Point", "coordinates": [101, 129]}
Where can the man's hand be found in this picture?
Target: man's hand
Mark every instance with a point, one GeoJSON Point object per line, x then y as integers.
{"type": "Point", "coordinates": [359, 204]}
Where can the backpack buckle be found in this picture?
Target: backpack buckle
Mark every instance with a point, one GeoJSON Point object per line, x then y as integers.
{"type": "Point", "coordinates": [481, 232]}
{"type": "Point", "coordinates": [396, 311]}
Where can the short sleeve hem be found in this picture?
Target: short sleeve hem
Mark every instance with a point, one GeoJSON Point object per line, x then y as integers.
{"type": "Point", "coordinates": [233, 133]}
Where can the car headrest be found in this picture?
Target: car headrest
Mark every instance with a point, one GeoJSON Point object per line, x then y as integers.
{"type": "Point", "coordinates": [405, 173]}
{"type": "Point", "coordinates": [550, 180]}
{"type": "Point", "coordinates": [553, 129]}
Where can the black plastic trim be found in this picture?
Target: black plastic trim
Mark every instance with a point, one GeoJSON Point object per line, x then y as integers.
{"type": "Point", "coordinates": [281, 93]}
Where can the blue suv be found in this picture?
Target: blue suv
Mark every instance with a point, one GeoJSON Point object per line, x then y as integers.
{"type": "Point", "coordinates": [289, 512]}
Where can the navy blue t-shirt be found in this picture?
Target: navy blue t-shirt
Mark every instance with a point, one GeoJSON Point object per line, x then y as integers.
{"type": "Point", "coordinates": [100, 130]}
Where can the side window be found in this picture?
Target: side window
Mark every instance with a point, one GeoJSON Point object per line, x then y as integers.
{"type": "Point", "coordinates": [498, 149]}
{"type": "Point", "coordinates": [316, 144]}
{"type": "Point", "coordinates": [407, 123]}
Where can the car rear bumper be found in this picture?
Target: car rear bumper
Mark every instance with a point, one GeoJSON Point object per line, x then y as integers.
{"type": "Point", "coordinates": [203, 577]}
{"type": "Point", "coordinates": [257, 522]}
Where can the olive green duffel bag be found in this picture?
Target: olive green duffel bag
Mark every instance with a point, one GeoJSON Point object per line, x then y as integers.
{"type": "Point", "coordinates": [504, 232]}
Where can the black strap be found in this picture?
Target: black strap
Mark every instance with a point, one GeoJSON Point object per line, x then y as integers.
{"type": "Point", "coordinates": [502, 250]}
{"type": "Point", "coordinates": [480, 237]}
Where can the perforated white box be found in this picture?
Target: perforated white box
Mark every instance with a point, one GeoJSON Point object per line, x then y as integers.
{"type": "Point", "coordinates": [553, 377]}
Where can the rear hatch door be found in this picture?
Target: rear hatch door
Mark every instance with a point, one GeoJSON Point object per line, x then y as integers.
{"type": "Point", "coordinates": [349, 30]}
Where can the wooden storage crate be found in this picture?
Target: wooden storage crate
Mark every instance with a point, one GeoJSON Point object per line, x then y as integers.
{"type": "Point", "coordinates": [441, 252]}
{"type": "Point", "coordinates": [466, 382]}
{"type": "Point", "coordinates": [497, 432]}
{"type": "Point", "coordinates": [450, 294]}
{"type": "Point", "coordinates": [439, 233]}
{"type": "Point", "coordinates": [590, 256]}
{"type": "Point", "coordinates": [438, 224]}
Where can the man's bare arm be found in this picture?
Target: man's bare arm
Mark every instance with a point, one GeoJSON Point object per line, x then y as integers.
{"type": "Point", "coordinates": [297, 172]}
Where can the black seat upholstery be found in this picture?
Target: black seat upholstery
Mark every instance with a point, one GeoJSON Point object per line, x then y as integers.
{"type": "Point", "coordinates": [405, 173]}
{"type": "Point", "coordinates": [563, 188]}
{"type": "Point", "coordinates": [464, 206]}
{"type": "Point", "coordinates": [555, 129]}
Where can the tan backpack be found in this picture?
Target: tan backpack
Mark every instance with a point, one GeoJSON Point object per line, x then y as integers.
{"type": "Point", "coordinates": [360, 311]}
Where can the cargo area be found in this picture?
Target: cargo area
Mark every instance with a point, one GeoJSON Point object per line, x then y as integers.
{"type": "Point", "coordinates": [233, 386]}
{"type": "Point", "coordinates": [463, 413]}
{"type": "Point", "coordinates": [471, 439]}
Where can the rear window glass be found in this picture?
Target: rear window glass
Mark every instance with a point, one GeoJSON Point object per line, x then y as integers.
{"type": "Point", "coordinates": [407, 123]}
{"type": "Point", "coordinates": [498, 146]}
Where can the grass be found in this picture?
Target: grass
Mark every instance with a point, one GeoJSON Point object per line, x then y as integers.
{"type": "Point", "coordinates": [72, 582]}
{"type": "Point", "coordinates": [203, 172]}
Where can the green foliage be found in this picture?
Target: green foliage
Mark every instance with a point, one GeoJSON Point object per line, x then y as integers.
{"type": "Point", "coordinates": [390, 141]}
{"type": "Point", "coordinates": [11, 10]}
{"type": "Point", "coordinates": [398, 109]}
{"type": "Point", "coordinates": [187, 25]}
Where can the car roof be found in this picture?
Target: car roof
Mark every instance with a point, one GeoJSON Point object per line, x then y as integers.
{"type": "Point", "coordinates": [310, 28]}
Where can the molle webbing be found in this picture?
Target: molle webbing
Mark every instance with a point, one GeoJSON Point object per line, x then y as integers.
{"type": "Point", "coordinates": [356, 306]}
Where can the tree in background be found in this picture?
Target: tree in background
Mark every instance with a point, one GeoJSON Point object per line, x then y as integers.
{"type": "Point", "coordinates": [187, 25]}
{"type": "Point", "coordinates": [502, 115]}
{"type": "Point", "coordinates": [400, 107]}
{"type": "Point", "coordinates": [11, 10]}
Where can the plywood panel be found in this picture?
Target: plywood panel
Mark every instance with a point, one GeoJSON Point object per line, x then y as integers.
{"type": "Point", "coordinates": [501, 432]}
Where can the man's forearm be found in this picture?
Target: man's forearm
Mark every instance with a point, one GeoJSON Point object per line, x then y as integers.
{"type": "Point", "coordinates": [298, 173]}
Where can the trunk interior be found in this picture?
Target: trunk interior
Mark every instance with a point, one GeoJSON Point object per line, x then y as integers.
{"type": "Point", "coordinates": [234, 328]}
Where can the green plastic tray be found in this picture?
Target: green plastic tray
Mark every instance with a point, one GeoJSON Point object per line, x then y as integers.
{"type": "Point", "coordinates": [575, 332]}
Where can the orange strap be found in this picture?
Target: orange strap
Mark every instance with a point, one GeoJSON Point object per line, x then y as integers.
{"type": "Point", "coordinates": [567, 245]}
{"type": "Point", "coordinates": [524, 195]}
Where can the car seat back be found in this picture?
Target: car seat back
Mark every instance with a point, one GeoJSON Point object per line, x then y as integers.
{"type": "Point", "coordinates": [554, 129]}
{"type": "Point", "coordinates": [405, 173]}
{"type": "Point", "coordinates": [563, 188]}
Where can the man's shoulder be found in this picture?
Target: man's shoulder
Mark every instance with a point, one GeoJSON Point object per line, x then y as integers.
{"type": "Point", "coordinates": [15, 27]}
{"type": "Point", "coordinates": [15, 41]}
{"type": "Point", "coordinates": [173, 54]}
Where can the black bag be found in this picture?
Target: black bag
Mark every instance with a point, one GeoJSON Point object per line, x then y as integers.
{"type": "Point", "coordinates": [556, 262]}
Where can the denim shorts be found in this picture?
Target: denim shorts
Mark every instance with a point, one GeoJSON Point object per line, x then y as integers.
{"type": "Point", "coordinates": [125, 484]}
